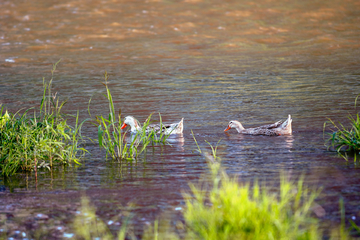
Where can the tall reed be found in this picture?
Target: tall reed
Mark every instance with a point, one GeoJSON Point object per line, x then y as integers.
{"type": "Point", "coordinates": [111, 138]}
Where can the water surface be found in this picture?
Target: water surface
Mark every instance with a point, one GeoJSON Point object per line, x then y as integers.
{"type": "Point", "coordinates": [206, 61]}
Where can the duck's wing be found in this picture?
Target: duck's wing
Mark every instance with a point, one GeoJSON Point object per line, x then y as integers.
{"type": "Point", "coordinates": [270, 126]}
{"type": "Point", "coordinates": [260, 131]}
{"type": "Point", "coordinates": [275, 129]}
{"type": "Point", "coordinates": [156, 128]}
{"type": "Point", "coordinates": [168, 128]}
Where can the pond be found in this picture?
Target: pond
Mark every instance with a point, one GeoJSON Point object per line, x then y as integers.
{"type": "Point", "coordinates": [208, 62]}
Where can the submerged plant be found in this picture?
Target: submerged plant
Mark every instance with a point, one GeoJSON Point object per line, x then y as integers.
{"type": "Point", "coordinates": [41, 139]}
{"type": "Point", "coordinates": [344, 139]}
{"type": "Point", "coordinates": [88, 226]}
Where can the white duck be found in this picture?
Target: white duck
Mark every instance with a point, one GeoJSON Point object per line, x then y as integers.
{"type": "Point", "coordinates": [173, 128]}
{"type": "Point", "coordinates": [275, 129]}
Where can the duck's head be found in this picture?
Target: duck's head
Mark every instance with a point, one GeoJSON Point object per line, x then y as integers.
{"type": "Point", "coordinates": [132, 122]}
{"type": "Point", "coordinates": [234, 124]}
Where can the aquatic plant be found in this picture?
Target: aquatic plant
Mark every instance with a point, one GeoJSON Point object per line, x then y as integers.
{"type": "Point", "coordinates": [110, 136]}
{"type": "Point", "coordinates": [231, 210]}
{"type": "Point", "coordinates": [198, 147]}
{"type": "Point", "coordinates": [213, 149]}
{"type": "Point", "coordinates": [88, 226]}
{"type": "Point", "coordinates": [344, 139]}
{"type": "Point", "coordinates": [162, 229]}
{"type": "Point", "coordinates": [341, 232]}
{"type": "Point", "coordinates": [30, 141]}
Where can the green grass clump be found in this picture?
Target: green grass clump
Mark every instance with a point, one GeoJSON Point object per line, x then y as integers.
{"type": "Point", "coordinates": [29, 141]}
{"type": "Point", "coordinates": [111, 139]}
{"type": "Point", "coordinates": [345, 139]}
{"type": "Point", "coordinates": [234, 211]}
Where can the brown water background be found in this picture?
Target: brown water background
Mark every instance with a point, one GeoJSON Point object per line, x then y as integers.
{"type": "Point", "coordinates": [207, 61]}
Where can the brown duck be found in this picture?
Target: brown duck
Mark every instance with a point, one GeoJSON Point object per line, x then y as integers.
{"type": "Point", "coordinates": [275, 129]}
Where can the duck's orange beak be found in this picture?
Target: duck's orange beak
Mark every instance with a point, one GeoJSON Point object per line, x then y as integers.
{"type": "Point", "coordinates": [124, 126]}
{"type": "Point", "coordinates": [228, 128]}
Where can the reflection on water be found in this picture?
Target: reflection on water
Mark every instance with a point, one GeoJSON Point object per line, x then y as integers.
{"type": "Point", "coordinates": [205, 61]}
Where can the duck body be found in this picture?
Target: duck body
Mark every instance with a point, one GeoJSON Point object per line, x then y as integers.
{"type": "Point", "coordinates": [275, 129]}
{"type": "Point", "coordinates": [172, 128]}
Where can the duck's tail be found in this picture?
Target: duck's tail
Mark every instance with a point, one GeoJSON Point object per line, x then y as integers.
{"type": "Point", "coordinates": [180, 126]}
{"type": "Point", "coordinates": [287, 123]}
{"type": "Point", "coordinates": [175, 128]}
